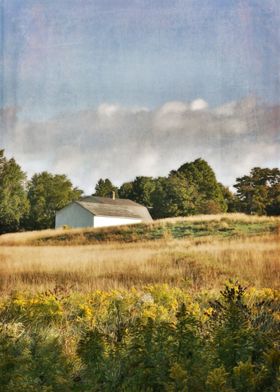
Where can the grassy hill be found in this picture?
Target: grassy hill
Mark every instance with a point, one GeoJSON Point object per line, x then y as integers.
{"type": "Point", "coordinates": [223, 225]}
{"type": "Point", "coordinates": [198, 252]}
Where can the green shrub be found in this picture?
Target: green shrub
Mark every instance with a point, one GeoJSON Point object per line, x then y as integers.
{"type": "Point", "coordinates": [159, 339]}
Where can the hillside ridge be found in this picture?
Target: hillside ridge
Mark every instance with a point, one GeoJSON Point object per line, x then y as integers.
{"type": "Point", "coordinates": [222, 225]}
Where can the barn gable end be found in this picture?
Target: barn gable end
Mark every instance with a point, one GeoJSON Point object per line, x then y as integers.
{"type": "Point", "coordinates": [73, 215]}
{"type": "Point", "coordinates": [92, 211]}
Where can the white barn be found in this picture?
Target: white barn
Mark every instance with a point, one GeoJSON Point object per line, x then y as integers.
{"type": "Point", "coordinates": [94, 211]}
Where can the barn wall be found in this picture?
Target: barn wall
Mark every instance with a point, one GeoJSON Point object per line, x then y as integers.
{"type": "Point", "coordinates": [103, 221]}
{"type": "Point", "coordinates": [73, 215]}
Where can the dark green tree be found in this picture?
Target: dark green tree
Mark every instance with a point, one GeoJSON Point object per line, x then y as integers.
{"type": "Point", "coordinates": [273, 207]}
{"type": "Point", "coordinates": [173, 196]}
{"type": "Point", "coordinates": [48, 193]}
{"type": "Point", "coordinates": [259, 192]}
{"type": "Point", "coordinates": [139, 190]}
{"type": "Point", "coordinates": [230, 198]}
{"type": "Point", "coordinates": [13, 200]}
{"type": "Point", "coordinates": [105, 188]}
{"type": "Point", "coordinates": [142, 190]}
{"type": "Point", "coordinates": [126, 190]}
{"type": "Point", "coordinates": [201, 176]}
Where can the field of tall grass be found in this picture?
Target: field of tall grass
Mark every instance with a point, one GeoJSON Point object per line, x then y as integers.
{"type": "Point", "coordinates": [193, 263]}
{"type": "Point", "coordinates": [185, 304]}
{"type": "Point", "coordinates": [195, 253]}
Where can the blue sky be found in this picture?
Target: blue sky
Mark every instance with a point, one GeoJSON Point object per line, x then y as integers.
{"type": "Point", "coordinates": [71, 54]}
{"type": "Point", "coordinates": [85, 85]}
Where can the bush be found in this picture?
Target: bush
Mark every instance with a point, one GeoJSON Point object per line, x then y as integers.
{"type": "Point", "coordinates": [158, 339]}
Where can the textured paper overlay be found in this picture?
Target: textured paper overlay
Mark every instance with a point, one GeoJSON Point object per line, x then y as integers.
{"type": "Point", "coordinates": [114, 88]}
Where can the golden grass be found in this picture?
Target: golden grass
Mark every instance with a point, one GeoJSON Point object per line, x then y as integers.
{"type": "Point", "coordinates": [196, 263]}
{"type": "Point", "coordinates": [26, 237]}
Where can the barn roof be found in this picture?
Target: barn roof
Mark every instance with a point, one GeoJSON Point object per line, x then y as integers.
{"type": "Point", "coordinates": [105, 206]}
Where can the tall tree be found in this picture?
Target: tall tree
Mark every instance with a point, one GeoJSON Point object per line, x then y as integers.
{"type": "Point", "coordinates": [126, 190]}
{"type": "Point", "coordinates": [142, 190]}
{"type": "Point", "coordinates": [139, 190]}
{"type": "Point", "coordinates": [48, 193]}
{"type": "Point", "coordinates": [105, 188]}
{"type": "Point", "coordinates": [230, 199]}
{"type": "Point", "coordinates": [173, 196]}
{"type": "Point", "coordinates": [200, 175]}
{"type": "Point", "coordinates": [273, 206]}
{"type": "Point", "coordinates": [191, 189]}
{"type": "Point", "coordinates": [13, 200]}
{"type": "Point", "coordinates": [259, 192]}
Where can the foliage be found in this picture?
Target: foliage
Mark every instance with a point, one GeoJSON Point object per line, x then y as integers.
{"type": "Point", "coordinates": [139, 190]}
{"type": "Point", "coordinates": [126, 190]}
{"type": "Point", "coordinates": [105, 188]}
{"type": "Point", "coordinates": [210, 197]}
{"type": "Point", "coordinates": [13, 201]}
{"type": "Point", "coordinates": [48, 193]}
{"type": "Point", "coordinates": [173, 197]}
{"type": "Point", "coordinates": [231, 200]}
{"type": "Point", "coordinates": [32, 361]}
{"type": "Point", "coordinates": [259, 192]}
{"type": "Point", "coordinates": [155, 339]}
{"type": "Point", "coordinates": [192, 189]}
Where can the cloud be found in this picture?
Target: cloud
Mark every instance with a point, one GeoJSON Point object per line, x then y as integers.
{"type": "Point", "coordinates": [107, 110]}
{"type": "Point", "coordinates": [170, 116]}
{"type": "Point", "coordinates": [123, 142]}
{"type": "Point", "coordinates": [175, 107]}
{"type": "Point", "coordinates": [199, 104]}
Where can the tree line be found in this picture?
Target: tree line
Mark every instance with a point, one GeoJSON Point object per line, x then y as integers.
{"type": "Point", "coordinates": [192, 189]}
{"type": "Point", "coordinates": [31, 205]}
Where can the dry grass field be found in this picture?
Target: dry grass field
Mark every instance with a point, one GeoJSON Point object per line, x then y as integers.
{"type": "Point", "coordinates": [179, 304]}
{"type": "Point", "coordinates": [197, 253]}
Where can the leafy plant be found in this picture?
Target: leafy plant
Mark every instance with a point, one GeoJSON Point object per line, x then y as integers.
{"type": "Point", "coordinates": [156, 339]}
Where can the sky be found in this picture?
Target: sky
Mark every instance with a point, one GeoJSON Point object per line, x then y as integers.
{"type": "Point", "coordinates": [120, 88]}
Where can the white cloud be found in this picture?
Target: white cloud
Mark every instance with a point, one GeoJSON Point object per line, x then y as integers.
{"type": "Point", "coordinates": [170, 116]}
{"type": "Point", "coordinates": [107, 110]}
{"type": "Point", "coordinates": [173, 107]}
{"type": "Point", "coordinates": [198, 104]}
{"type": "Point", "coordinates": [123, 142]}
